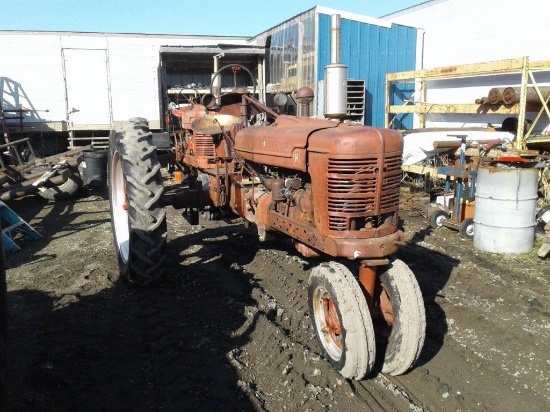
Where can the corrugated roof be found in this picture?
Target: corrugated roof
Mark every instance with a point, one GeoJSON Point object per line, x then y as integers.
{"type": "Point", "coordinates": [227, 49]}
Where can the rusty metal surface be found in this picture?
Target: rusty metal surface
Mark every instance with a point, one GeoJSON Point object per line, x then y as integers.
{"type": "Point", "coordinates": [494, 96]}
{"type": "Point", "coordinates": [305, 250]}
{"type": "Point", "coordinates": [214, 124]}
{"type": "Point", "coordinates": [280, 144]}
{"type": "Point", "coordinates": [381, 243]}
{"type": "Point", "coordinates": [367, 280]}
{"type": "Point", "coordinates": [512, 95]}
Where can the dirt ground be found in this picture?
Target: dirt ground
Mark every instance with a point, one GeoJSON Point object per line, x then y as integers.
{"type": "Point", "coordinates": [228, 326]}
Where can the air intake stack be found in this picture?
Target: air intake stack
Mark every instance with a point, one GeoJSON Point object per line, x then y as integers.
{"type": "Point", "coordinates": [336, 76]}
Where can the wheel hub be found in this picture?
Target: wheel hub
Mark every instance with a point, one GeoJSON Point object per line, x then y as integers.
{"type": "Point", "coordinates": [385, 306]}
{"type": "Point", "coordinates": [328, 323]}
{"type": "Point", "coordinates": [332, 322]}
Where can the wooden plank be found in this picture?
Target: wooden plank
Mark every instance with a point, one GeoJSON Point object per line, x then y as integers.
{"type": "Point", "coordinates": [29, 127]}
{"type": "Point", "coordinates": [422, 170]}
{"type": "Point", "coordinates": [422, 108]}
{"type": "Point", "coordinates": [540, 65]}
{"type": "Point", "coordinates": [473, 69]}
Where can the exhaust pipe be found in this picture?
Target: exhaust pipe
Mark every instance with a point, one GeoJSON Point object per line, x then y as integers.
{"type": "Point", "coordinates": [336, 76]}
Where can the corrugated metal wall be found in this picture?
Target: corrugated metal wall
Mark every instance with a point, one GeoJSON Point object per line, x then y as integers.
{"type": "Point", "coordinates": [370, 52]}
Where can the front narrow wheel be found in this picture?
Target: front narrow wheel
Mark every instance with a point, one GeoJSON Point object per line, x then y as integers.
{"type": "Point", "coordinates": [400, 321]}
{"type": "Point", "coordinates": [342, 320]}
{"type": "Point", "coordinates": [137, 217]}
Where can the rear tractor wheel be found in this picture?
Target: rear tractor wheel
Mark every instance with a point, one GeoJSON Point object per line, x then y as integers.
{"type": "Point", "coordinates": [137, 217]}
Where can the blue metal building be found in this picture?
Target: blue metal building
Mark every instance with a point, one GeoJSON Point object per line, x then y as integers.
{"type": "Point", "coordinates": [299, 50]}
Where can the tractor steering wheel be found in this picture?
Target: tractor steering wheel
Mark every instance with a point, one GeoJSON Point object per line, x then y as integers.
{"type": "Point", "coordinates": [228, 66]}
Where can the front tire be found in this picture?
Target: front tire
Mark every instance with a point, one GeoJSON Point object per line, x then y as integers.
{"type": "Point", "coordinates": [137, 217]}
{"type": "Point", "coordinates": [437, 217]}
{"type": "Point", "coordinates": [341, 320]}
{"type": "Point", "coordinates": [402, 320]}
{"type": "Point", "coordinates": [466, 228]}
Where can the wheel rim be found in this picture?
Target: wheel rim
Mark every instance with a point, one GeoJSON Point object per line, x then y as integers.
{"type": "Point", "coordinates": [439, 219]}
{"type": "Point", "coordinates": [382, 313]}
{"type": "Point", "coordinates": [327, 323]}
{"type": "Point", "coordinates": [120, 209]}
{"type": "Point", "coordinates": [470, 230]}
{"type": "Point", "coordinates": [386, 307]}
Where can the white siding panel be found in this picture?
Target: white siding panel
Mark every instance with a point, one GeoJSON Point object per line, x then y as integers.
{"type": "Point", "coordinates": [469, 31]}
{"type": "Point", "coordinates": [32, 66]}
{"type": "Point", "coordinates": [134, 80]}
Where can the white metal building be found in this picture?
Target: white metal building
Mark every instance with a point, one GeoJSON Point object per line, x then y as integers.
{"type": "Point", "coordinates": [457, 32]}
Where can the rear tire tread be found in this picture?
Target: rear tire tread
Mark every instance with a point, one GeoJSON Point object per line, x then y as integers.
{"type": "Point", "coordinates": [146, 215]}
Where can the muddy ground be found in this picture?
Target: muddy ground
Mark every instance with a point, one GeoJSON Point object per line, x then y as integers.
{"type": "Point", "coordinates": [228, 328]}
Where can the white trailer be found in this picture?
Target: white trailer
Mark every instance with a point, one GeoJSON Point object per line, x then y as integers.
{"type": "Point", "coordinates": [84, 83]}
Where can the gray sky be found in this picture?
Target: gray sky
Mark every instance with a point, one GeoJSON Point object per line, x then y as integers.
{"type": "Point", "coordinates": [210, 17]}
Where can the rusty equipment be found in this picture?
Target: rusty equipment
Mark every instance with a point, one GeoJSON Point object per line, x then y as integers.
{"type": "Point", "coordinates": [457, 209]}
{"type": "Point", "coordinates": [53, 178]}
{"type": "Point", "coordinates": [23, 172]}
{"type": "Point", "coordinates": [332, 187]}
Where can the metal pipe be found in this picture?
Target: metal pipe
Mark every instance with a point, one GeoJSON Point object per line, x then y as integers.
{"type": "Point", "coordinates": [335, 30]}
{"type": "Point", "coordinates": [512, 95]}
{"type": "Point", "coordinates": [494, 96]}
{"type": "Point", "coordinates": [367, 279]}
{"type": "Point", "coordinates": [336, 76]}
{"type": "Point", "coordinates": [217, 80]}
{"type": "Point", "coordinates": [26, 188]}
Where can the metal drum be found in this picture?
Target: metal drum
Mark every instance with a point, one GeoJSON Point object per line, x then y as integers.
{"type": "Point", "coordinates": [94, 168]}
{"type": "Point", "coordinates": [504, 220]}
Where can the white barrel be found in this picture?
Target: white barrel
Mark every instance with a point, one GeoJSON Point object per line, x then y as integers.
{"type": "Point", "coordinates": [504, 220]}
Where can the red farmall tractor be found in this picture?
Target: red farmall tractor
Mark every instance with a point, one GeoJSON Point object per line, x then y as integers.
{"type": "Point", "coordinates": [331, 186]}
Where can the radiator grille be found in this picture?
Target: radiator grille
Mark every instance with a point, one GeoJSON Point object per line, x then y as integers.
{"type": "Point", "coordinates": [204, 146]}
{"type": "Point", "coordinates": [354, 194]}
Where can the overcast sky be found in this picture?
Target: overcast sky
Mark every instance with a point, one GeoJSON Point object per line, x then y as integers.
{"type": "Point", "coordinates": [209, 17]}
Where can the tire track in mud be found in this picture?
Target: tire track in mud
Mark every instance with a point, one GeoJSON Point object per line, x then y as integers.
{"type": "Point", "coordinates": [477, 349]}
{"type": "Point", "coordinates": [285, 293]}
{"type": "Point", "coordinates": [273, 356]}
{"type": "Point", "coordinates": [186, 346]}
{"type": "Point", "coordinates": [449, 379]}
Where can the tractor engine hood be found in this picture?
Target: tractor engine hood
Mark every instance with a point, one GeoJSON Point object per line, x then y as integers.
{"type": "Point", "coordinates": [285, 142]}
{"type": "Point", "coordinates": [282, 143]}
